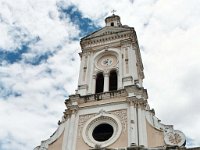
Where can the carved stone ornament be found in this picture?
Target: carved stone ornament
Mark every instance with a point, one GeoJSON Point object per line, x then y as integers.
{"type": "Point", "coordinates": [122, 115]}
{"type": "Point", "coordinates": [175, 138]}
{"type": "Point", "coordinates": [107, 61]}
{"type": "Point", "coordinates": [82, 120]}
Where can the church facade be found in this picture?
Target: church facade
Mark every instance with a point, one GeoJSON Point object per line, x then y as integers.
{"type": "Point", "coordinates": [110, 109]}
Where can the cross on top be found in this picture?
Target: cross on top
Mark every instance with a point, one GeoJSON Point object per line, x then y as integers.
{"type": "Point", "coordinates": [113, 11]}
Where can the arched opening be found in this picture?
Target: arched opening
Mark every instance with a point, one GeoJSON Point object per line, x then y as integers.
{"type": "Point", "coordinates": [113, 81]}
{"type": "Point", "coordinates": [112, 23]}
{"type": "Point", "coordinates": [99, 82]}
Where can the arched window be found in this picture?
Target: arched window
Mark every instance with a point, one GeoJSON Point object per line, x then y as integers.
{"type": "Point", "coordinates": [112, 23]}
{"type": "Point", "coordinates": [99, 82]}
{"type": "Point", "coordinates": [113, 81]}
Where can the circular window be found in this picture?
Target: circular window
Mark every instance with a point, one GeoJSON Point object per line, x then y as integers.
{"type": "Point", "coordinates": [102, 132]}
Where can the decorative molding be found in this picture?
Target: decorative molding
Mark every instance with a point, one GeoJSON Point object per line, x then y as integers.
{"type": "Point", "coordinates": [137, 103]}
{"type": "Point", "coordinates": [45, 144]}
{"type": "Point", "coordinates": [129, 78]}
{"type": "Point", "coordinates": [106, 38]}
{"type": "Point", "coordinates": [102, 111]}
{"type": "Point", "coordinates": [111, 54]}
{"type": "Point", "coordinates": [103, 96]}
{"type": "Point", "coordinates": [126, 43]}
{"type": "Point", "coordinates": [72, 107]}
{"type": "Point", "coordinates": [106, 73]}
{"type": "Point", "coordinates": [117, 119]}
{"type": "Point", "coordinates": [93, 122]}
{"type": "Point", "coordinates": [83, 86]}
{"type": "Point", "coordinates": [64, 118]}
{"type": "Point", "coordinates": [122, 115]}
{"type": "Point", "coordinates": [175, 138]}
{"type": "Point", "coordinates": [82, 120]}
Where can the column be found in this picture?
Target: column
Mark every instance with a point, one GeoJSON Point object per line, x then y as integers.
{"type": "Point", "coordinates": [106, 82]}
{"type": "Point", "coordinates": [142, 126]}
{"type": "Point", "coordinates": [85, 69]}
{"type": "Point", "coordinates": [81, 69]}
{"type": "Point", "coordinates": [76, 129]}
{"type": "Point", "coordinates": [71, 132]}
{"type": "Point", "coordinates": [132, 126]}
{"type": "Point", "coordinates": [136, 124]}
{"type": "Point", "coordinates": [120, 71]}
{"type": "Point", "coordinates": [91, 89]}
{"type": "Point", "coordinates": [65, 139]}
{"type": "Point", "coordinates": [134, 61]}
{"type": "Point", "coordinates": [93, 84]}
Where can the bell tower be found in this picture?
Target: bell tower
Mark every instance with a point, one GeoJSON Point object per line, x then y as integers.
{"type": "Point", "coordinates": [109, 110]}
{"type": "Point", "coordinates": [110, 59]}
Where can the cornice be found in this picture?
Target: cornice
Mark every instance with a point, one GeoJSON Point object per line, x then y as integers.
{"type": "Point", "coordinates": [137, 103]}
{"type": "Point", "coordinates": [104, 39]}
{"type": "Point", "coordinates": [137, 91]}
{"type": "Point", "coordinates": [78, 99]}
{"type": "Point", "coordinates": [72, 107]}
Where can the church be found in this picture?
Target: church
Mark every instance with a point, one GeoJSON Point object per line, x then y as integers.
{"type": "Point", "coordinates": [109, 110]}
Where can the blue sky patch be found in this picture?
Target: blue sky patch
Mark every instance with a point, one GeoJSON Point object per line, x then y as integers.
{"type": "Point", "coordinates": [39, 58]}
{"type": "Point", "coordinates": [13, 56]}
{"type": "Point", "coordinates": [24, 39]}
{"type": "Point", "coordinates": [86, 25]}
{"type": "Point", "coordinates": [7, 92]}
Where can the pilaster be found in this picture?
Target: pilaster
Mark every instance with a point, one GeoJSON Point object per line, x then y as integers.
{"type": "Point", "coordinates": [138, 126]}
{"type": "Point", "coordinates": [93, 83]}
{"type": "Point", "coordinates": [69, 134]}
{"type": "Point", "coordinates": [106, 82]}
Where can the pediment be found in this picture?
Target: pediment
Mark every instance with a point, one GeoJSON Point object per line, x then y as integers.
{"type": "Point", "coordinates": [107, 31]}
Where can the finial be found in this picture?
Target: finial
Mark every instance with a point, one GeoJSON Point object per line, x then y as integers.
{"type": "Point", "coordinates": [113, 11]}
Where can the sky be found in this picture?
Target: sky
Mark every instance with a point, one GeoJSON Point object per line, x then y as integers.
{"type": "Point", "coordinates": [39, 61]}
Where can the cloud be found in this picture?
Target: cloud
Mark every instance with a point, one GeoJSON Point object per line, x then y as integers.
{"type": "Point", "coordinates": [34, 81]}
{"type": "Point", "coordinates": [172, 65]}
{"type": "Point", "coordinates": [40, 64]}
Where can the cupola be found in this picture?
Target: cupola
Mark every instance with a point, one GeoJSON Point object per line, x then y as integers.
{"type": "Point", "coordinates": [113, 20]}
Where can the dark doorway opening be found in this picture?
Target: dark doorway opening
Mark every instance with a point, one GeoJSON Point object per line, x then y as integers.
{"type": "Point", "coordinates": [113, 81]}
{"type": "Point", "coordinates": [102, 132]}
{"type": "Point", "coordinates": [112, 24]}
{"type": "Point", "coordinates": [99, 82]}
